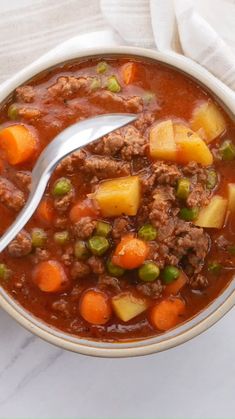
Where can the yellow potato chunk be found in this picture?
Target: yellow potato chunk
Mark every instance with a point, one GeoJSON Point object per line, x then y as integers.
{"type": "Point", "coordinates": [162, 143]}
{"type": "Point", "coordinates": [191, 147]}
{"type": "Point", "coordinates": [119, 196]}
{"type": "Point", "coordinates": [231, 197]}
{"type": "Point", "coordinates": [208, 119]}
{"type": "Point", "coordinates": [127, 306]}
{"type": "Point", "coordinates": [213, 215]}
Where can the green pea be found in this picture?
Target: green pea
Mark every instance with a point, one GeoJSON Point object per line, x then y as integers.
{"type": "Point", "coordinates": [214, 268]}
{"type": "Point", "coordinates": [13, 112]}
{"type": "Point", "coordinates": [114, 270]}
{"type": "Point", "coordinates": [98, 245]}
{"type": "Point", "coordinates": [148, 97]}
{"type": "Point", "coordinates": [149, 272]}
{"type": "Point", "coordinates": [80, 250]}
{"type": "Point", "coordinates": [102, 67]}
{"type": "Point", "coordinates": [183, 188]}
{"type": "Point", "coordinates": [61, 237]}
{"type": "Point", "coordinates": [103, 228]}
{"type": "Point", "coordinates": [212, 179]}
{"type": "Point", "coordinates": [147, 232]}
{"type": "Point", "coordinates": [227, 150]}
{"type": "Point", "coordinates": [62, 186]}
{"type": "Point", "coordinates": [113, 85]}
{"type": "Point", "coordinates": [170, 274]}
{"type": "Point", "coordinates": [5, 273]}
{"type": "Point", "coordinates": [95, 84]}
{"type": "Point", "coordinates": [39, 237]}
{"type": "Point", "coordinates": [189, 214]}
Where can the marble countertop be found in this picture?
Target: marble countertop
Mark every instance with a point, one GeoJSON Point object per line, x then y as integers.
{"type": "Point", "coordinates": [195, 380]}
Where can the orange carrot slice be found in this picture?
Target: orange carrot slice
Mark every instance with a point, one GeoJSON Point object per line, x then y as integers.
{"type": "Point", "coordinates": [129, 73]}
{"type": "Point", "coordinates": [175, 287]}
{"type": "Point", "coordinates": [50, 276]}
{"type": "Point", "coordinates": [84, 208]}
{"type": "Point", "coordinates": [166, 314]}
{"type": "Point", "coordinates": [95, 307]}
{"type": "Point", "coordinates": [45, 211]}
{"type": "Point", "coordinates": [130, 253]}
{"type": "Point", "coordinates": [18, 142]}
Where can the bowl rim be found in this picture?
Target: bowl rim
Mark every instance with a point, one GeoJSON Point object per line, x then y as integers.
{"type": "Point", "coordinates": [184, 332]}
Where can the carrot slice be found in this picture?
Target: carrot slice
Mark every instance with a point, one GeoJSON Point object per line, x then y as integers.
{"type": "Point", "coordinates": [45, 211]}
{"type": "Point", "coordinates": [130, 253]}
{"type": "Point", "coordinates": [175, 287]}
{"type": "Point", "coordinates": [18, 142]}
{"type": "Point", "coordinates": [84, 208]}
{"type": "Point", "coordinates": [50, 276]}
{"type": "Point", "coordinates": [129, 73]}
{"type": "Point", "coordinates": [95, 307]}
{"type": "Point", "coordinates": [166, 314]}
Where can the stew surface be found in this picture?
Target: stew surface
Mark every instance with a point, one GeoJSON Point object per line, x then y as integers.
{"type": "Point", "coordinates": [135, 233]}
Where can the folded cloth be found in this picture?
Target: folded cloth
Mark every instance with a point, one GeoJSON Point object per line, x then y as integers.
{"type": "Point", "coordinates": [185, 27]}
{"type": "Point", "coordinates": [177, 27]}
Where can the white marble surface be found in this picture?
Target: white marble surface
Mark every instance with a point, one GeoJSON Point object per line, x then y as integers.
{"type": "Point", "coordinates": [37, 380]}
{"type": "Point", "coordinates": [196, 380]}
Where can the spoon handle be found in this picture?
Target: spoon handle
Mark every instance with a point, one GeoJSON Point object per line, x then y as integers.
{"type": "Point", "coordinates": [71, 139]}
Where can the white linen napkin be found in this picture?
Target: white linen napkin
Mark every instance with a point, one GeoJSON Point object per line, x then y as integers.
{"type": "Point", "coordinates": [178, 26]}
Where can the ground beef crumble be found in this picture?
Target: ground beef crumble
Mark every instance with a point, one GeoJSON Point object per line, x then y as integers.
{"type": "Point", "coordinates": [79, 270]}
{"type": "Point", "coordinates": [198, 196]}
{"type": "Point", "coordinates": [106, 282]}
{"type": "Point", "coordinates": [119, 103]}
{"type": "Point", "coordinates": [151, 289]}
{"type": "Point", "coordinates": [163, 197]}
{"type": "Point", "coordinates": [193, 242]}
{"type": "Point", "coordinates": [121, 226]}
{"type": "Point", "coordinates": [84, 227]}
{"type": "Point", "coordinates": [126, 143]}
{"type": "Point", "coordinates": [62, 203]}
{"type": "Point", "coordinates": [96, 265]}
{"type": "Point", "coordinates": [40, 255]}
{"type": "Point", "coordinates": [66, 87]}
{"type": "Point", "coordinates": [198, 282]}
{"type": "Point", "coordinates": [105, 167]}
{"type": "Point", "coordinates": [23, 179]}
{"type": "Point", "coordinates": [10, 195]}
{"type": "Point", "coordinates": [166, 174]}
{"type": "Point", "coordinates": [21, 245]}
{"type": "Point", "coordinates": [25, 94]}
{"type": "Point", "coordinates": [68, 256]}
{"type": "Point", "coordinates": [29, 114]}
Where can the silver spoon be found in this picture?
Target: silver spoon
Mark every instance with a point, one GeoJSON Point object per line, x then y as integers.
{"type": "Point", "coordinates": [71, 139]}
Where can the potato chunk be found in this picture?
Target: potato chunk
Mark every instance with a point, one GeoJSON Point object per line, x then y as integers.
{"type": "Point", "coordinates": [162, 143]}
{"type": "Point", "coordinates": [127, 306]}
{"type": "Point", "coordinates": [209, 120]}
{"type": "Point", "coordinates": [213, 215]}
{"type": "Point", "coordinates": [119, 196]}
{"type": "Point", "coordinates": [231, 197]}
{"type": "Point", "coordinates": [191, 147]}
{"type": "Point", "coordinates": [178, 143]}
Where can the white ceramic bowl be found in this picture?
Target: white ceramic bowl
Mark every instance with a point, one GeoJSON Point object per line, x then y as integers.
{"type": "Point", "coordinates": [187, 330]}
